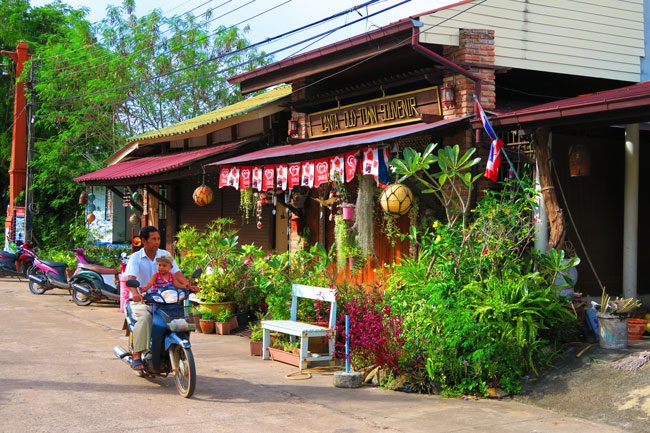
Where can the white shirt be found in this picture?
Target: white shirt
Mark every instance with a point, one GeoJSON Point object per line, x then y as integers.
{"type": "Point", "coordinates": [143, 268]}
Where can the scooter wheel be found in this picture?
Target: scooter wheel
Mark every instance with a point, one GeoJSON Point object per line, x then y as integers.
{"type": "Point", "coordinates": [79, 298]}
{"type": "Point", "coordinates": [185, 376]}
{"type": "Point", "coordinates": [34, 287]}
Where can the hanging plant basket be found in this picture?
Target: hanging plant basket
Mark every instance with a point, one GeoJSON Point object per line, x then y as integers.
{"type": "Point", "coordinates": [348, 211]}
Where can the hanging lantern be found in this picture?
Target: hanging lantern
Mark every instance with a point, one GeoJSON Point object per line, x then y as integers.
{"type": "Point", "coordinates": [90, 217]}
{"type": "Point", "coordinates": [396, 199]}
{"type": "Point", "coordinates": [91, 197]}
{"type": "Point", "coordinates": [579, 161]}
{"type": "Point", "coordinates": [293, 128]}
{"type": "Point", "coordinates": [448, 96]}
{"type": "Point", "coordinates": [90, 207]}
{"type": "Point", "coordinates": [134, 219]}
{"type": "Point", "coordinates": [202, 195]}
{"type": "Point", "coordinates": [83, 197]}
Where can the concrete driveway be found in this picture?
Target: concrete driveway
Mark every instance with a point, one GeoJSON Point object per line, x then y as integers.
{"type": "Point", "coordinates": [58, 374]}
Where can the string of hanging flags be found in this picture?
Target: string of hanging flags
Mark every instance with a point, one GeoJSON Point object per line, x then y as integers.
{"type": "Point", "coordinates": [309, 173]}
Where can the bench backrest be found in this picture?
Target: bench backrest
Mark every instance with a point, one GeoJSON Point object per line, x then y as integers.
{"type": "Point", "coordinates": [316, 293]}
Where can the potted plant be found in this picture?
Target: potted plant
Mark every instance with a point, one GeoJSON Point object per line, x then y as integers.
{"type": "Point", "coordinates": [347, 207]}
{"type": "Point", "coordinates": [612, 320]}
{"type": "Point", "coordinates": [207, 322]}
{"type": "Point", "coordinates": [287, 352]}
{"type": "Point", "coordinates": [224, 322]}
{"type": "Point", "coordinates": [256, 339]}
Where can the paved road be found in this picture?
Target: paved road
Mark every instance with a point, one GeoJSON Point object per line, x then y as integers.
{"type": "Point", "coordinates": [58, 374]}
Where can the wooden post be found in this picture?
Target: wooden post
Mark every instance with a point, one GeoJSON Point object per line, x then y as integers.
{"type": "Point", "coordinates": [555, 213]}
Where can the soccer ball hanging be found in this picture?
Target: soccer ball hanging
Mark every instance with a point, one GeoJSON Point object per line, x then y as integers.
{"type": "Point", "coordinates": [396, 199]}
{"type": "Point", "coordinates": [202, 195]}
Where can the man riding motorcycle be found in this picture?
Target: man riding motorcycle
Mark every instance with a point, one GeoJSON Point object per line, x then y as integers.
{"type": "Point", "coordinates": [142, 266]}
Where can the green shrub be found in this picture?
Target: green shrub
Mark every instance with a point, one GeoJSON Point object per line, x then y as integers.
{"type": "Point", "coordinates": [223, 316]}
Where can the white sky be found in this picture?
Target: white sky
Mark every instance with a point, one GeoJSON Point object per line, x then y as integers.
{"type": "Point", "coordinates": [293, 14]}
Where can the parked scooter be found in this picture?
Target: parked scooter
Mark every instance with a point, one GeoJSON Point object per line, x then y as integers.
{"type": "Point", "coordinates": [51, 275]}
{"type": "Point", "coordinates": [93, 282]}
{"type": "Point", "coordinates": [46, 275]}
{"type": "Point", "coordinates": [24, 255]}
{"type": "Point", "coordinates": [170, 351]}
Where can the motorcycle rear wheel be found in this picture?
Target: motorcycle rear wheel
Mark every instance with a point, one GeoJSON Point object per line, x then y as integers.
{"type": "Point", "coordinates": [185, 376]}
{"type": "Point", "coordinates": [34, 287]}
{"type": "Point", "coordinates": [82, 299]}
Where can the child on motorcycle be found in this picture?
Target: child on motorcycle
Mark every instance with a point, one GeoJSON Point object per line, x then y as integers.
{"type": "Point", "coordinates": [163, 277]}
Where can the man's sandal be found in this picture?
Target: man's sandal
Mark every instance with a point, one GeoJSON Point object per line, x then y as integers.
{"type": "Point", "coordinates": [137, 364]}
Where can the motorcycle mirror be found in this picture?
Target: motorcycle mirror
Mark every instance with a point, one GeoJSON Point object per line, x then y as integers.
{"type": "Point", "coordinates": [134, 284]}
{"type": "Point", "coordinates": [197, 274]}
{"type": "Point", "coordinates": [123, 255]}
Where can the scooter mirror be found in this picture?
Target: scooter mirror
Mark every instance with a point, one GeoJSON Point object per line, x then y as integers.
{"type": "Point", "coordinates": [134, 284]}
{"type": "Point", "coordinates": [197, 274]}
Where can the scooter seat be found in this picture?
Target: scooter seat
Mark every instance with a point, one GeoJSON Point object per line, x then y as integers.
{"type": "Point", "coordinates": [9, 256]}
{"type": "Point", "coordinates": [54, 264]}
{"type": "Point", "coordinates": [103, 270]}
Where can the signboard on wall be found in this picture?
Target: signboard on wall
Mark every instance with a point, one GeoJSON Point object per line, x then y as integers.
{"type": "Point", "coordinates": [376, 113]}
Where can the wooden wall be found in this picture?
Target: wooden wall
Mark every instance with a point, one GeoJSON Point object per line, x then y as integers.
{"type": "Point", "coordinates": [594, 38]}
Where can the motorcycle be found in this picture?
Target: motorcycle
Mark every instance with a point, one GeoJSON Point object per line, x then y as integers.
{"type": "Point", "coordinates": [93, 282]}
{"type": "Point", "coordinates": [171, 351]}
{"type": "Point", "coordinates": [48, 275]}
{"type": "Point", "coordinates": [24, 255]}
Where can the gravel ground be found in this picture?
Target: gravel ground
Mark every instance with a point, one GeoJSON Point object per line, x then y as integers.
{"type": "Point", "coordinates": [590, 388]}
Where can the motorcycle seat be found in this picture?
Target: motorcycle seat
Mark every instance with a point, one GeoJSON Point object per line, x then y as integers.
{"type": "Point", "coordinates": [103, 270]}
{"type": "Point", "coordinates": [9, 256]}
{"type": "Point", "coordinates": [54, 264]}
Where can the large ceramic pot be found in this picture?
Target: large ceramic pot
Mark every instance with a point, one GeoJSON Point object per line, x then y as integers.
{"type": "Point", "coordinates": [217, 307]}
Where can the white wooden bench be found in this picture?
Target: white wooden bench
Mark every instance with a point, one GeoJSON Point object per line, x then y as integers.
{"type": "Point", "coordinates": [304, 330]}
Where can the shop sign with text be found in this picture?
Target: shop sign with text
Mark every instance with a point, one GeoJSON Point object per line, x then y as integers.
{"type": "Point", "coordinates": [376, 113]}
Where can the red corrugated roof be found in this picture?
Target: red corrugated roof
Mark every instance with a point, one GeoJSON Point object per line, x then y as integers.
{"type": "Point", "coordinates": [623, 98]}
{"type": "Point", "coordinates": [153, 164]}
{"type": "Point", "coordinates": [308, 147]}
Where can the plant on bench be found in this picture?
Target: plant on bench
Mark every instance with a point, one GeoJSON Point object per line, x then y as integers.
{"type": "Point", "coordinates": [303, 330]}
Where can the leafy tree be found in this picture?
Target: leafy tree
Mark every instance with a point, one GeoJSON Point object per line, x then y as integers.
{"type": "Point", "coordinates": [97, 85]}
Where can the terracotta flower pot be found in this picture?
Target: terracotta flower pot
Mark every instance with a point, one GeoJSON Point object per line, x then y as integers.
{"type": "Point", "coordinates": [207, 326]}
{"type": "Point", "coordinates": [256, 348]}
{"type": "Point", "coordinates": [286, 357]}
{"type": "Point", "coordinates": [635, 328]}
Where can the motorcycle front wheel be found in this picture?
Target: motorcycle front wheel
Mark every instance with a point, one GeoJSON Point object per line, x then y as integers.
{"type": "Point", "coordinates": [185, 375]}
{"type": "Point", "coordinates": [34, 287]}
{"type": "Point", "coordinates": [80, 298]}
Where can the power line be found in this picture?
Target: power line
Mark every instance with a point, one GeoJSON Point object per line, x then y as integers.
{"type": "Point", "coordinates": [71, 52]}
{"type": "Point", "coordinates": [65, 68]}
{"type": "Point", "coordinates": [266, 41]}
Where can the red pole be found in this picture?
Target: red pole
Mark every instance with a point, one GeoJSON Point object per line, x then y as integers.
{"type": "Point", "coordinates": [18, 166]}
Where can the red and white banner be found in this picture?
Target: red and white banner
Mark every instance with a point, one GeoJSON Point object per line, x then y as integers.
{"type": "Point", "coordinates": [233, 178]}
{"type": "Point", "coordinates": [257, 178]}
{"type": "Point", "coordinates": [245, 178]}
{"type": "Point", "coordinates": [281, 180]}
{"type": "Point", "coordinates": [268, 181]}
{"type": "Point", "coordinates": [337, 168]}
{"type": "Point", "coordinates": [350, 165]}
{"type": "Point", "coordinates": [370, 163]}
{"type": "Point", "coordinates": [294, 175]}
{"type": "Point", "coordinates": [307, 177]}
{"type": "Point", "coordinates": [322, 167]}
{"type": "Point", "coordinates": [223, 176]}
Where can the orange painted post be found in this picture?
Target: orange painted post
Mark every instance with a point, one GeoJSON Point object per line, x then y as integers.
{"type": "Point", "coordinates": [18, 167]}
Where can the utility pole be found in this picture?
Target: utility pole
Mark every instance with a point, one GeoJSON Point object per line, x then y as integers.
{"type": "Point", "coordinates": [29, 196]}
{"type": "Point", "coordinates": [18, 167]}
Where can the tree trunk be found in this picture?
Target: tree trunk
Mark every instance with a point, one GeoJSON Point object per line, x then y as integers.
{"type": "Point", "coordinates": [555, 213]}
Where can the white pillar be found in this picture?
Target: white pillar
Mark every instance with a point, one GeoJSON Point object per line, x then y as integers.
{"type": "Point", "coordinates": [541, 218]}
{"type": "Point", "coordinates": [631, 206]}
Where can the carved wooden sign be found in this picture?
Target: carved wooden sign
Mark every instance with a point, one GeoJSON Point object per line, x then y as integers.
{"type": "Point", "coordinates": [376, 113]}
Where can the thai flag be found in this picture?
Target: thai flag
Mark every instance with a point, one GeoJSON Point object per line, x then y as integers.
{"type": "Point", "coordinates": [494, 159]}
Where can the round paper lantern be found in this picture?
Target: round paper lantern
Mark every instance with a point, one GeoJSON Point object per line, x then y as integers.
{"type": "Point", "coordinates": [83, 197]}
{"type": "Point", "coordinates": [396, 199]}
{"type": "Point", "coordinates": [90, 217]}
{"type": "Point", "coordinates": [134, 219]}
{"type": "Point", "coordinates": [91, 197]}
{"type": "Point", "coordinates": [202, 195]}
{"type": "Point", "coordinates": [90, 207]}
